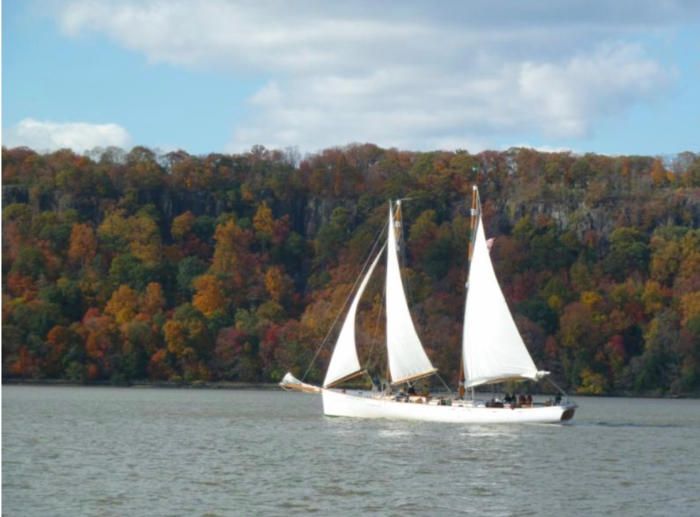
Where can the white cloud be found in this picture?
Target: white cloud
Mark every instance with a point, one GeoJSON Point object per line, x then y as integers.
{"type": "Point", "coordinates": [79, 136]}
{"type": "Point", "coordinates": [604, 82]}
{"type": "Point", "coordinates": [428, 109]}
{"type": "Point", "coordinates": [403, 74]}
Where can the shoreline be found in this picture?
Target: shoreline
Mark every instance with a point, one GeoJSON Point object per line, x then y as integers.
{"type": "Point", "coordinates": [270, 386]}
{"type": "Point", "coordinates": [218, 385]}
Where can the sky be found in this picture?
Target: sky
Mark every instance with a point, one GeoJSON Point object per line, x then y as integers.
{"type": "Point", "coordinates": [222, 76]}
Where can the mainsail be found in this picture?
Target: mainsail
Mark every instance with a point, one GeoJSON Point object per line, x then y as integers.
{"type": "Point", "coordinates": [493, 350]}
{"type": "Point", "coordinates": [407, 359]}
{"type": "Point", "coordinates": [344, 362]}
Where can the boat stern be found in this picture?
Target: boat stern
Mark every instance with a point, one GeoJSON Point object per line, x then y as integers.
{"type": "Point", "coordinates": [568, 413]}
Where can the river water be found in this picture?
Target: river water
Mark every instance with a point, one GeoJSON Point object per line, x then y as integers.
{"type": "Point", "coordinates": [139, 451]}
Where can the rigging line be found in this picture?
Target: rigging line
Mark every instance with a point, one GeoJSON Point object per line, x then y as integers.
{"type": "Point", "coordinates": [557, 387]}
{"type": "Point", "coordinates": [444, 383]}
{"type": "Point", "coordinates": [345, 303]}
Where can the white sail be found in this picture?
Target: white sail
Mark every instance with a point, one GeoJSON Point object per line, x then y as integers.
{"type": "Point", "coordinates": [344, 362]}
{"type": "Point", "coordinates": [493, 350]}
{"type": "Point", "coordinates": [407, 359]}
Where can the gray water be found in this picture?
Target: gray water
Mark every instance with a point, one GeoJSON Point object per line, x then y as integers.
{"type": "Point", "coordinates": [111, 451]}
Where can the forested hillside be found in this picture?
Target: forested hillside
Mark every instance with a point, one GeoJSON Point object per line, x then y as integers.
{"type": "Point", "coordinates": [129, 265]}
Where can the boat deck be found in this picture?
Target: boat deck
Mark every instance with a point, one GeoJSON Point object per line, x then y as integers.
{"type": "Point", "coordinates": [447, 400]}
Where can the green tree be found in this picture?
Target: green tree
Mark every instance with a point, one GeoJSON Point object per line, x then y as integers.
{"type": "Point", "coordinates": [331, 236]}
{"type": "Point", "coordinates": [629, 251]}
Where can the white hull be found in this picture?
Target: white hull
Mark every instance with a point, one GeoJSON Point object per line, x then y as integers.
{"type": "Point", "coordinates": [365, 405]}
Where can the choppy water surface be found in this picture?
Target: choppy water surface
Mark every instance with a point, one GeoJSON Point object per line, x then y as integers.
{"type": "Point", "coordinates": [105, 451]}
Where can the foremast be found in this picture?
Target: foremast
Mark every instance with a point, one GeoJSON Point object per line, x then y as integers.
{"type": "Point", "coordinates": [407, 360]}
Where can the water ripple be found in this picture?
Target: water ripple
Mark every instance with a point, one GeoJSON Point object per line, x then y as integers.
{"type": "Point", "coordinates": [82, 451]}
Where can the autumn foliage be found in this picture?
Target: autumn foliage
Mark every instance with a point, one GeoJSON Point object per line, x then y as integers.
{"type": "Point", "coordinates": [131, 265]}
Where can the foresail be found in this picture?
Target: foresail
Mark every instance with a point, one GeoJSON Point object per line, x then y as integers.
{"type": "Point", "coordinates": [493, 350]}
{"type": "Point", "coordinates": [344, 362]}
{"type": "Point", "coordinates": [407, 359]}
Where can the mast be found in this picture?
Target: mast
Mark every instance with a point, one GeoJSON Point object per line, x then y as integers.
{"type": "Point", "coordinates": [474, 212]}
{"type": "Point", "coordinates": [476, 208]}
{"type": "Point", "coordinates": [398, 228]}
{"type": "Point", "coordinates": [406, 356]}
{"type": "Point", "coordinates": [492, 348]}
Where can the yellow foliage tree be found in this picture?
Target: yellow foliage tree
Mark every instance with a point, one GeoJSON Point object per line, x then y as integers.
{"type": "Point", "coordinates": [658, 173]}
{"type": "Point", "coordinates": [591, 383]}
{"type": "Point", "coordinates": [653, 297]}
{"type": "Point", "coordinates": [145, 239]}
{"type": "Point", "coordinates": [114, 229]}
{"type": "Point", "coordinates": [555, 302]}
{"type": "Point", "coordinates": [123, 304]}
{"type": "Point", "coordinates": [209, 298]}
{"type": "Point", "coordinates": [233, 262]}
{"type": "Point", "coordinates": [153, 300]}
{"type": "Point", "coordinates": [263, 222]}
{"type": "Point", "coordinates": [182, 225]}
{"type": "Point", "coordinates": [83, 244]}
{"type": "Point", "coordinates": [688, 273]}
{"type": "Point", "coordinates": [175, 337]}
{"type": "Point", "coordinates": [139, 232]}
{"type": "Point", "coordinates": [591, 299]}
{"type": "Point", "coordinates": [277, 283]}
{"type": "Point", "coordinates": [690, 306]}
{"type": "Point", "coordinates": [665, 259]}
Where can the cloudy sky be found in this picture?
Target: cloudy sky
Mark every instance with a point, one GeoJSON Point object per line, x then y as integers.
{"type": "Point", "coordinates": [221, 76]}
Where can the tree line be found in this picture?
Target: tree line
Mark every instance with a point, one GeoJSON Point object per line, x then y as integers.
{"type": "Point", "coordinates": [131, 265]}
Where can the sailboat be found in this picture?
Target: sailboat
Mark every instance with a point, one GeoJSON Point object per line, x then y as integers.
{"type": "Point", "coordinates": [493, 351]}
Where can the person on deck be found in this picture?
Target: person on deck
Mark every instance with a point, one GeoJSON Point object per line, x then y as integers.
{"type": "Point", "coordinates": [425, 393]}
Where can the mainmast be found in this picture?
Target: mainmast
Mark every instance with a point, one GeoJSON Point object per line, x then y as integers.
{"type": "Point", "coordinates": [475, 208]}
{"type": "Point", "coordinates": [398, 231]}
{"type": "Point", "coordinates": [493, 350]}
